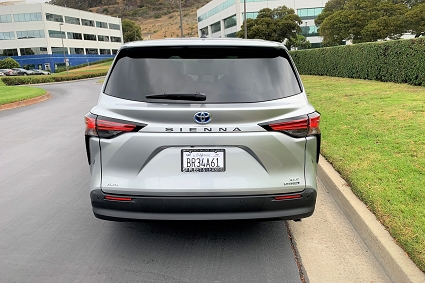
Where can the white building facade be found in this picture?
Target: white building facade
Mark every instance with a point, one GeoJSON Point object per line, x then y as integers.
{"type": "Point", "coordinates": [38, 29]}
{"type": "Point", "coordinates": [223, 18]}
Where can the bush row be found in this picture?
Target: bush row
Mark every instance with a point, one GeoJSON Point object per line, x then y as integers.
{"type": "Point", "coordinates": [400, 61]}
{"type": "Point", "coordinates": [47, 79]}
{"type": "Point", "coordinates": [63, 69]}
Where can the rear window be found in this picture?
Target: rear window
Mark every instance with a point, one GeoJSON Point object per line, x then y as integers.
{"type": "Point", "coordinates": [223, 74]}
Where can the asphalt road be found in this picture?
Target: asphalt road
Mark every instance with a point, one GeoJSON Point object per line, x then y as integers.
{"type": "Point", "coordinates": [49, 234]}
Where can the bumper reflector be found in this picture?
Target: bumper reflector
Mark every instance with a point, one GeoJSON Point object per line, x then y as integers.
{"type": "Point", "coordinates": [298, 196]}
{"type": "Point", "coordinates": [117, 198]}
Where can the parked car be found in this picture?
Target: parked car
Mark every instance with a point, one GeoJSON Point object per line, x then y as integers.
{"type": "Point", "coordinates": [23, 72]}
{"type": "Point", "coordinates": [9, 72]}
{"type": "Point", "coordinates": [2, 74]}
{"type": "Point", "coordinates": [40, 72]}
{"type": "Point", "coordinates": [203, 129]}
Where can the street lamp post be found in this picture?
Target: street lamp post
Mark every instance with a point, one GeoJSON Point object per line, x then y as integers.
{"type": "Point", "coordinates": [244, 19]}
{"type": "Point", "coordinates": [181, 18]}
{"type": "Point", "coordinates": [63, 48]}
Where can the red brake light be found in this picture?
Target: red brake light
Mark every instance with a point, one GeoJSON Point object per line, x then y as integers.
{"type": "Point", "coordinates": [298, 127]}
{"type": "Point", "coordinates": [103, 127]}
{"type": "Point", "coordinates": [297, 196]}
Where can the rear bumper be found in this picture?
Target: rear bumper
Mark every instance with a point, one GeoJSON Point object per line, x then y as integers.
{"type": "Point", "coordinates": [203, 208]}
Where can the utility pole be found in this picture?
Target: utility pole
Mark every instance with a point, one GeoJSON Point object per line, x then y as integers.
{"type": "Point", "coordinates": [63, 48]}
{"type": "Point", "coordinates": [181, 18]}
{"type": "Point", "coordinates": [244, 19]}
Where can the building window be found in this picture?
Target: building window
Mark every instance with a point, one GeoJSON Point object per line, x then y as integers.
{"type": "Point", "coordinates": [8, 35]}
{"type": "Point", "coordinates": [91, 51]}
{"type": "Point", "coordinates": [114, 51]}
{"type": "Point", "coordinates": [217, 9]}
{"type": "Point", "coordinates": [115, 39]}
{"type": "Point", "coordinates": [57, 34]}
{"type": "Point", "coordinates": [104, 51]}
{"type": "Point", "coordinates": [72, 20]}
{"type": "Point", "coordinates": [114, 26]}
{"type": "Point", "coordinates": [89, 23]}
{"type": "Point", "coordinates": [30, 34]}
{"type": "Point", "coordinates": [101, 24]}
{"type": "Point", "coordinates": [5, 18]}
{"type": "Point", "coordinates": [215, 27]}
{"type": "Point", "coordinates": [74, 35]}
{"type": "Point", "coordinates": [59, 50]}
{"type": "Point", "coordinates": [103, 38]}
{"type": "Point", "coordinates": [90, 37]}
{"type": "Point", "coordinates": [74, 50]}
{"type": "Point", "coordinates": [230, 22]}
{"type": "Point", "coordinates": [309, 31]}
{"type": "Point", "coordinates": [54, 18]}
{"type": "Point", "coordinates": [9, 52]}
{"type": "Point", "coordinates": [233, 34]}
{"type": "Point", "coordinates": [250, 15]}
{"type": "Point", "coordinates": [309, 13]}
{"type": "Point", "coordinates": [27, 17]}
{"type": "Point", "coordinates": [33, 50]}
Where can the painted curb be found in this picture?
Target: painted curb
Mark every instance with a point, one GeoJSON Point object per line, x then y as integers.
{"type": "Point", "coordinates": [26, 102]}
{"type": "Point", "coordinates": [393, 259]}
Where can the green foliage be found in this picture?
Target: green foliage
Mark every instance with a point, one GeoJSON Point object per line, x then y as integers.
{"type": "Point", "coordinates": [400, 61]}
{"type": "Point", "coordinates": [8, 63]}
{"type": "Point", "coordinates": [369, 20]}
{"type": "Point", "coordinates": [21, 80]}
{"type": "Point", "coordinates": [131, 31]}
{"type": "Point", "coordinates": [298, 42]}
{"type": "Point", "coordinates": [276, 25]}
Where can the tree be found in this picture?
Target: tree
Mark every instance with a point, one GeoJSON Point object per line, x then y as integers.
{"type": "Point", "coordinates": [9, 63]}
{"type": "Point", "coordinates": [131, 31]}
{"type": "Point", "coordinates": [362, 20]}
{"type": "Point", "coordinates": [276, 25]}
{"type": "Point", "coordinates": [298, 42]}
{"type": "Point", "coordinates": [415, 19]}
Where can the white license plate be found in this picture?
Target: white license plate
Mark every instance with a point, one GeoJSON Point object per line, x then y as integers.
{"type": "Point", "coordinates": [203, 160]}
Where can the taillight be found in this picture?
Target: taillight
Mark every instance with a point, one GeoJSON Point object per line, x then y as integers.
{"type": "Point", "coordinates": [298, 127]}
{"type": "Point", "coordinates": [103, 127]}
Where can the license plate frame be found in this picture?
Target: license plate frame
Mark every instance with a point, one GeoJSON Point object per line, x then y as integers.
{"type": "Point", "coordinates": [204, 153]}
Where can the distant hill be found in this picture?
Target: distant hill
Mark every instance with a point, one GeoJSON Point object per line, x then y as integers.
{"type": "Point", "coordinates": [157, 18]}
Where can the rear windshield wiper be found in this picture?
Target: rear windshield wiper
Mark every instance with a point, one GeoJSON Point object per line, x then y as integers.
{"type": "Point", "coordinates": [197, 96]}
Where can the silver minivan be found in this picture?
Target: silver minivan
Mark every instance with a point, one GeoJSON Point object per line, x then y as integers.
{"type": "Point", "coordinates": [202, 129]}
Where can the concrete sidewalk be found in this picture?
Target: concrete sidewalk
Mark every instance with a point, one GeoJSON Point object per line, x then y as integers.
{"type": "Point", "coordinates": [343, 241]}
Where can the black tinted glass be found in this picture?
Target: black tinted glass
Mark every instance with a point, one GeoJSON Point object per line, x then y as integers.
{"type": "Point", "coordinates": [224, 75]}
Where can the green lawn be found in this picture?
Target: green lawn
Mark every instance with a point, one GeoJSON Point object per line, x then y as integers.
{"type": "Point", "coordinates": [374, 135]}
{"type": "Point", "coordinates": [10, 94]}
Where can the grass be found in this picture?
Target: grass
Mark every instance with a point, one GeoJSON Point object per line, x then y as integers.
{"type": "Point", "coordinates": [373, 134]}
{"type": "Point", "coordinates": [9, 94]}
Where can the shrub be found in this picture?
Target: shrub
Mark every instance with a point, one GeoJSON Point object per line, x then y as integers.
{"type": "Point", "coordinates": [399, 61]}
{"type": "Point", "coordinates": [9, 63]}
{"type": "Point", "coordinates": [9, 81]}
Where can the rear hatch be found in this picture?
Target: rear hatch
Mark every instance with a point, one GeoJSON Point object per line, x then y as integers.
{"type": "Point", "coordinates": [203, 120]}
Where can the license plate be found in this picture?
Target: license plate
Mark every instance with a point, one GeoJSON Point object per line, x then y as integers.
{"type": "Point", "coordinates": [203, 160]}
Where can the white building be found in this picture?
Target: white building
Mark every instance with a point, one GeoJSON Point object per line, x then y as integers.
{"type": "Point", "coordinates": [38, 29]}
{"type": "Point", "coordinates": [223, 18]}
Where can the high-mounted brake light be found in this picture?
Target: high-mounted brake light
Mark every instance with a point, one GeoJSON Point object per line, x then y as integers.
{"type": "Point", "coordinates": [103, 127]}
{"type": "Point", "coordinates": [298, 127]}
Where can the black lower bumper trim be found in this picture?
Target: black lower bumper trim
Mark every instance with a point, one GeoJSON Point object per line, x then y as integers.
{"type": "Point", "coordinates": [203, 208]}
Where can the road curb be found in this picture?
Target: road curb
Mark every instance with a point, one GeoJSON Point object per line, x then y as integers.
{"type": "Point", "coordinates": [26, 102]}
{"type": "Point", "coordinates": [393, 259]}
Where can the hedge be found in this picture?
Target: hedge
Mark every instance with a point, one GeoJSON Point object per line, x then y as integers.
{"type": "Point", "coordinates": [399, 61]}
{"type": "Point", "coordinates": [47, 79]}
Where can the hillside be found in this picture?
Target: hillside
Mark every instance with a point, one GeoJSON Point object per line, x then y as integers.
{"type": "Point", "coordinates": [156, 18]}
